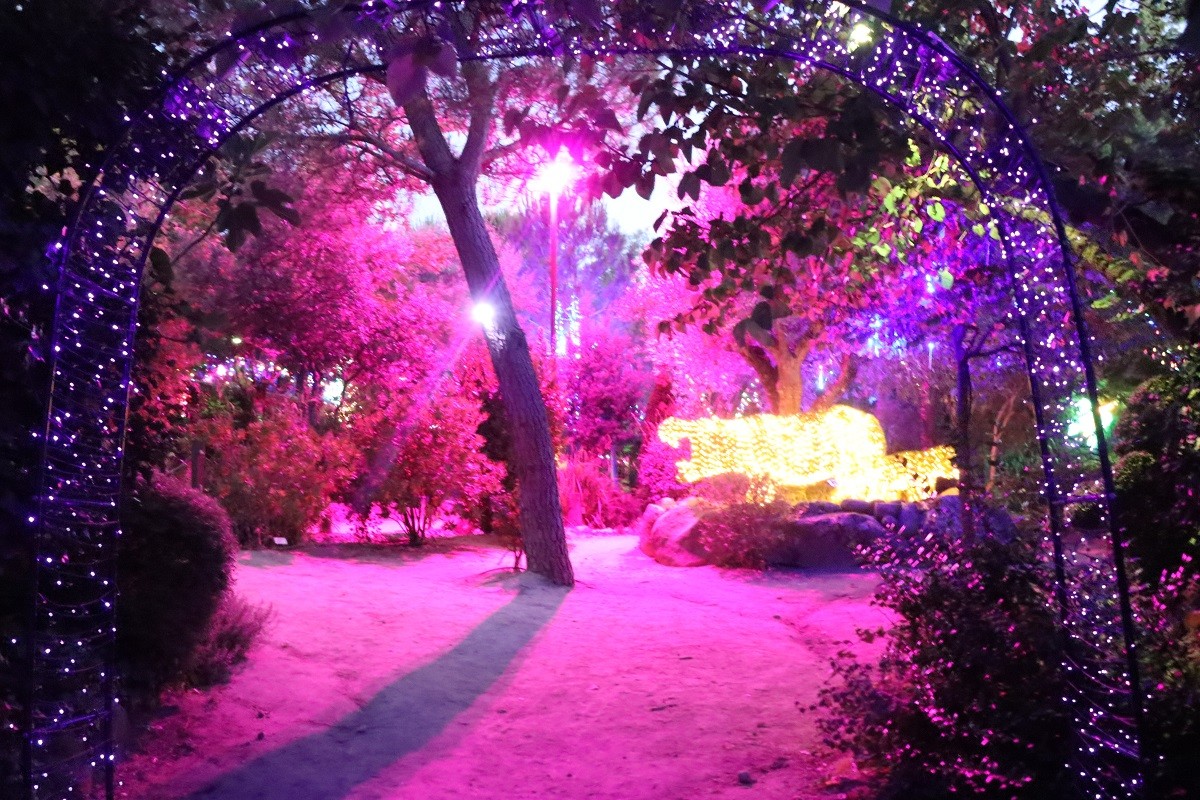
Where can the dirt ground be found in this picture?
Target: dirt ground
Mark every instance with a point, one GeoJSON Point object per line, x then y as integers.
{"type": "Point", "coordinates": [437, 674]}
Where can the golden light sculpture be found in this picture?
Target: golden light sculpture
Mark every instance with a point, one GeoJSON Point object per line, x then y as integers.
{"type": "Point", "coordinates": [837, 454]}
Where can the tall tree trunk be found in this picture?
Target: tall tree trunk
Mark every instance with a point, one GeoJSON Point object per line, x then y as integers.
{"type": "Point", "coordinates": [1003, 417]}
{"type": "Point", "coordinates": [789, 380]}
{"type": "Point", "coordinates": [533, 451]}
{"type": "Point", "coordinates": [966, 476]}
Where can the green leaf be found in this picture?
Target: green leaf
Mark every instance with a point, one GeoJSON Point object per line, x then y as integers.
{"type": "Point", "coordinates": [945, 278]}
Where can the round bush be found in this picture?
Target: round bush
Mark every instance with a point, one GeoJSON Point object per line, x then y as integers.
{"type": "Point", "coordinates": [174, 560]}
{"type": "Point", "coordinates": [1133, 471]}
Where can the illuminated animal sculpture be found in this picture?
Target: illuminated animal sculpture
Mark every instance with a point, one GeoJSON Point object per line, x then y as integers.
{"type": "Point", "coordinates": [838, 453]}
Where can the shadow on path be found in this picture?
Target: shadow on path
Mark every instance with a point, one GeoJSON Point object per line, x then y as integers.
{"type": "Point", "coordinates": [401, 719]}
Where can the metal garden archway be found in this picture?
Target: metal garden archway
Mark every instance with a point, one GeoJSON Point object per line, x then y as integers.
{"type": "Point", "coordinates": [100, 260]}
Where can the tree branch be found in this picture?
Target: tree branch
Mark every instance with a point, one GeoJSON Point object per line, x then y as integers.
{"type": "Point", "coordinates": [768, 376]}
{"type": "Point", "coordinates": [431, 142]}
{"type": "Point", "coordinates": [847, 371]}
{"type": "Point", "coordinates": [481, 92]}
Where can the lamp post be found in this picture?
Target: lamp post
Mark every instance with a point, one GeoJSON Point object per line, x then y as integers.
{"type": "Point", "coordinates": [553, 178]}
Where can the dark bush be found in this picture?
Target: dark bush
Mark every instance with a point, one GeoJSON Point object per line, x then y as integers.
{"type": "Point", "coordinates": [233, 628]}
{"type": "Point", "coordinates": [742, 534]}
{"type": "Point", "coordinates": [1170, 649]}
{"type": "Point", "coordinates": [1159, 472]}
{"type": "Point", "coordinates": [967, 697]}
{"type": "Point", "coordinates": [174, 560]}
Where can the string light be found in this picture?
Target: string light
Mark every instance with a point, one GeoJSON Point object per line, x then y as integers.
{"type": "Point", "coordinates": [100, 261]}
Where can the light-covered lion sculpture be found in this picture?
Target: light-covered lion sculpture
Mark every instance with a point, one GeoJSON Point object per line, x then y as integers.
{"type": "Point", "coordinates": [836, 454]}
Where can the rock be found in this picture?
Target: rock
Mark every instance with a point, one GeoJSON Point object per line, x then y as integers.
{"type": "Point", "coordinates": [672, 539]}
{"type": "Point", "coordinates": [646, 521]}
{"type": "Point", "coordinates": [945, 519]}
{"type": "Point", "coordinates": [858, 506]}
{"type": "Point", "coordinates": [667, 502]}
{"type": "Point", "coordinates": [817, 507]}
{"type": "Point", "coordinates": [882, 510]}
{"type": "Point", "coordinates": [745, 778]}
{"type": "Point", "coordinates": [910, 518]}
{"type": "Point", "coordinates": [824, 541]}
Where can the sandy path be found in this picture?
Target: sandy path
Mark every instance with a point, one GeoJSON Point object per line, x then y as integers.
{"type": "Point", "coordinates": [385, 675]}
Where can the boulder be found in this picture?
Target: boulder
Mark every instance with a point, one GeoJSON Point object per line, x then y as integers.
{"type": "Point", "coordinates": [858, 506]}
{"type": "Point", "coordinates": [672, 539]}
{"type": "Point", "coordinates": [646, 521]}
{"type": "Point", "coordinates": [815, 507]}
{"type": "Point", "coordinates": [910, 519]}
{"type": "Point", "coordinates": [945, 519]}
{"type": "Point", "coordinates": [883, 509]}
{"type": "Point", "coordinates": [824, 541]}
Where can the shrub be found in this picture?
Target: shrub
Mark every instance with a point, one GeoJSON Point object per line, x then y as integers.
{"type": "Point", "coordinates": [967, 696]}
{"type": "Point", "coordinates": [1170, 649]}
{"type": "Point", "coordinates": [725, 489]}
{"type": "Point", "coordinates": [742, 534]}
{"type": "Point", "coordinates": [175, 559]}
{"type": "Point", "coordinates": [590, 497]}
{"type": "Point", "coordinates": [270, 469]}
{"type": "Point", "coordinates": [230, 633]}
{"type": "Point", "coordinates": [657, 475]}
{"type": "Point", "coordinates": [1159, 469]}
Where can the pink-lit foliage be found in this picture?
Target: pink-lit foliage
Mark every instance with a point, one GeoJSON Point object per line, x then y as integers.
{"type": "Point", "coordinates": [271, 470]}
{"type": "Point", "coordinates": [606, 386]}
{"type": "Point", "coordinates": [356, 369]}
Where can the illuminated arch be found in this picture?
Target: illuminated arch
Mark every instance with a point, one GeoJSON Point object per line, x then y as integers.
{"type": "Point", "coordinates": [101, 257]}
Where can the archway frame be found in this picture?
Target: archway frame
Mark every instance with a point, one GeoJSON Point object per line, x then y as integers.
{"type": "Point", "coordinates": [71, 680]}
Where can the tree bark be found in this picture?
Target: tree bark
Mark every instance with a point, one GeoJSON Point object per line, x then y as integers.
{"type": "Point", "coordinates": [847, 372]}
{"type": "Point", "coordinates": [966, 467]}
{"type": "Point", "coordinates": [533, 451]}
{"type": "Point", "coordinates": [789, 380]}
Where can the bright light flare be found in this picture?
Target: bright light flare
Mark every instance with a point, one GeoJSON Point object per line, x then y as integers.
{"type": "Point", "coordinates": [556, 176]}
{"type": "Point", "coordinates": [484, 313]}
{"type": "Point", "coordinates": [861, 34]}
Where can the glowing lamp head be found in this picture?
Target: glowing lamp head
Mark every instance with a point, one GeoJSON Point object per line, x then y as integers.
{"type": "Point", "coordinates": [555, 176]}
{"type": "Point", "coordinates": [484, 313]}
{"type": "Point", "coordinates": [861, 34]}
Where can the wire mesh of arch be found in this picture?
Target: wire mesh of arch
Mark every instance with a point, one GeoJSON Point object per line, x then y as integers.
{"type": "Point", "coordinates": [101, 257]}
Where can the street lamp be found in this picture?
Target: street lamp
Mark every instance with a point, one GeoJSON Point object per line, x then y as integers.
{"type": "Point", "coordinates": [554, 177]}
